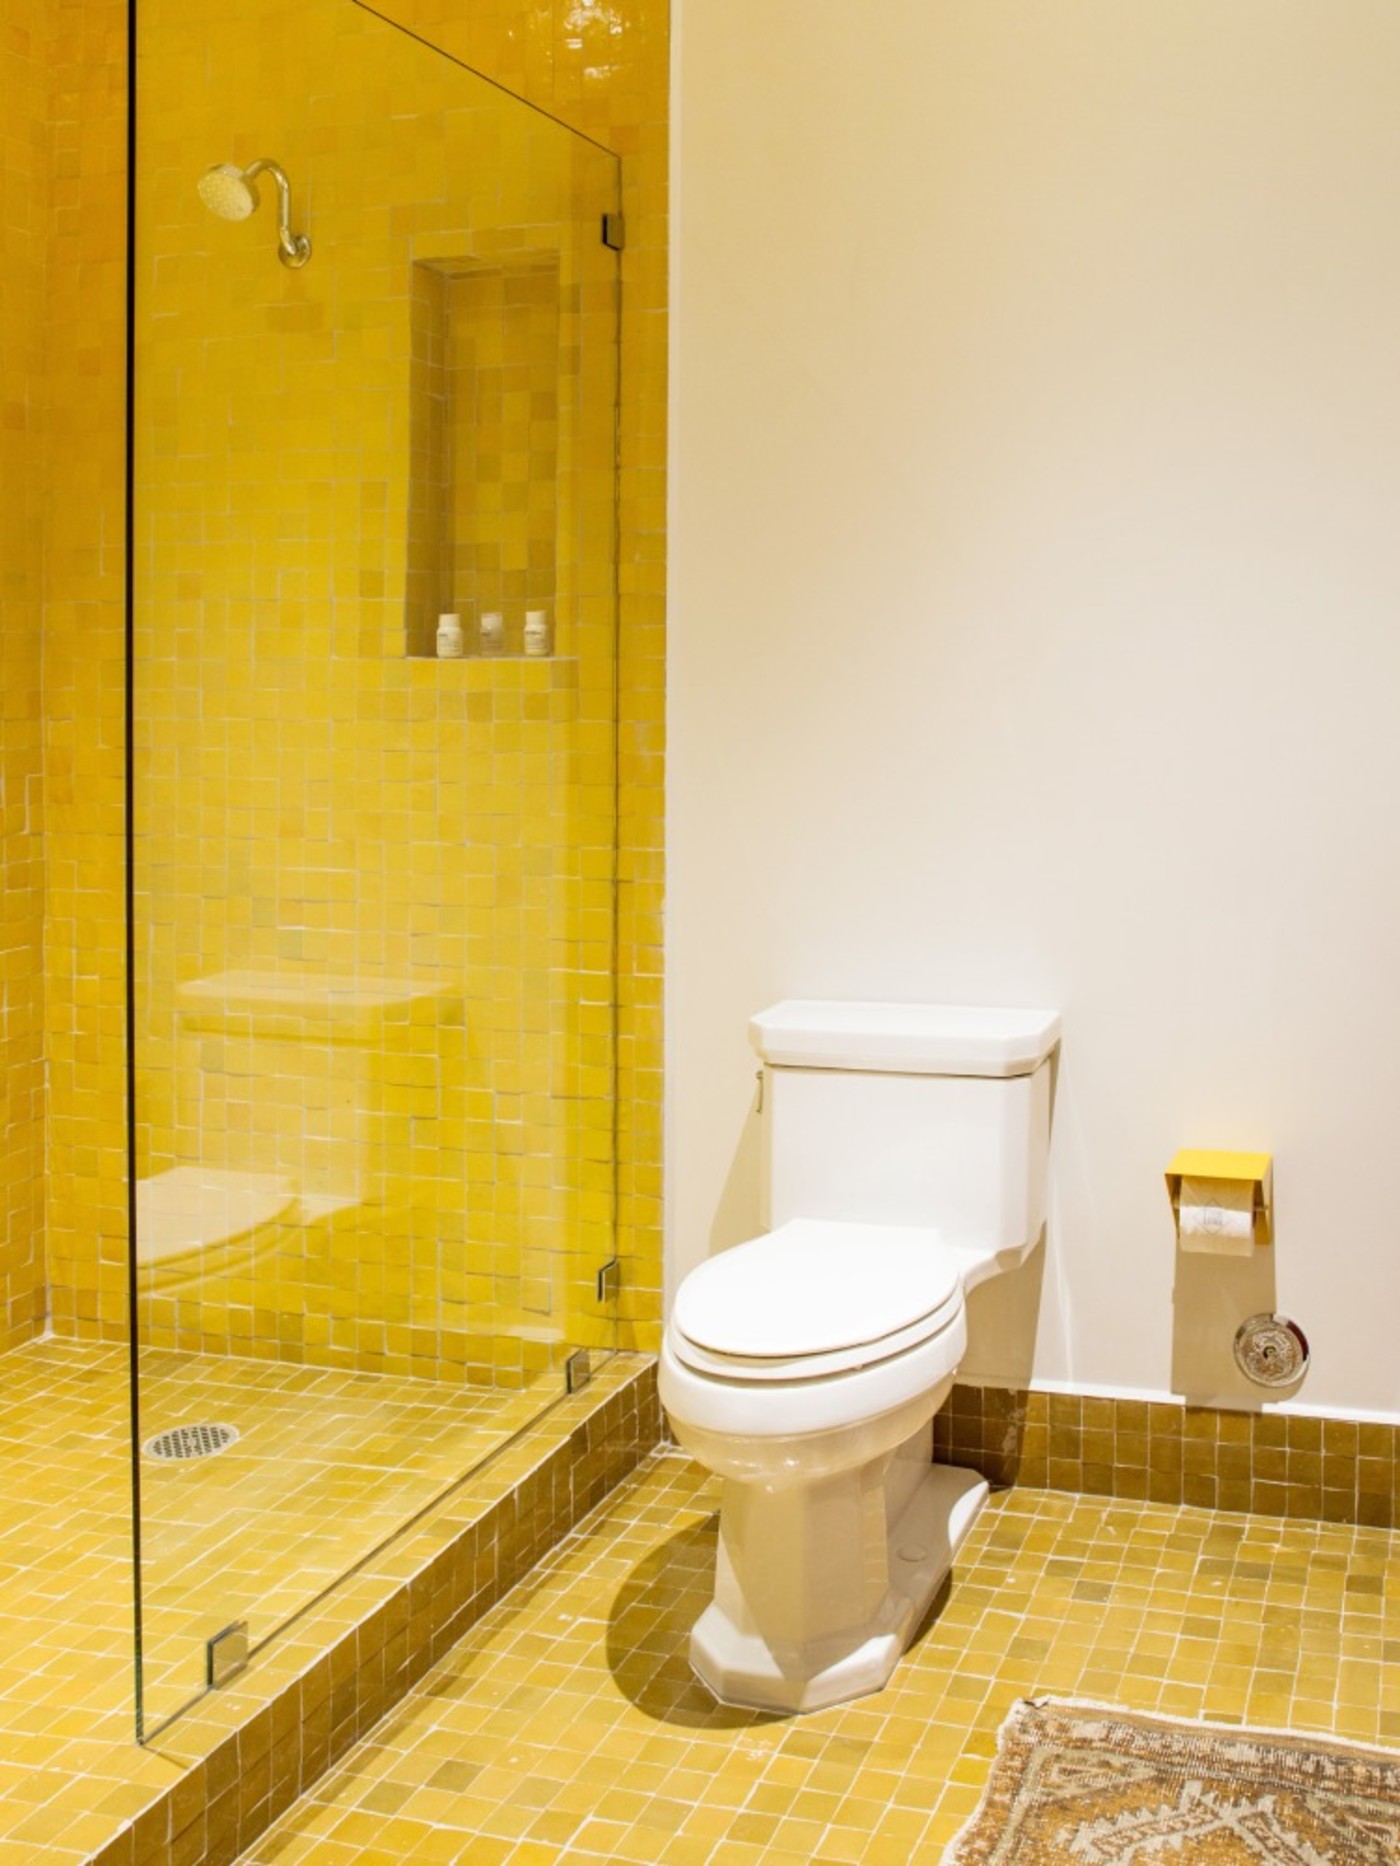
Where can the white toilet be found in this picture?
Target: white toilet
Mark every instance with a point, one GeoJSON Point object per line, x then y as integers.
{"type": "Point", "coordinates": [904, 1152]}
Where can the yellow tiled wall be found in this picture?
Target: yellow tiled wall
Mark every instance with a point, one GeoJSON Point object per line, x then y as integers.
{"type": "Point", "coordinates": [83, 675]}
{"type": "Point", "coordinates": [24, 213]}
{"type": "Point", "coordinates": [493, 376]}
{"type": "Point", "coordinates": [620, 100]}
{"type": "Point", "coordinates": [399, 867]}
{"type": "Point", "coordinates": [606, 70]}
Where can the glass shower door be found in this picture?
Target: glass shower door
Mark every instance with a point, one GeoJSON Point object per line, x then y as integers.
{"type": "Point", "coordinates": [373, 950]}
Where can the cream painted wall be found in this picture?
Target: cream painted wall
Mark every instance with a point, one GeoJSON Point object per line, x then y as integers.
{"type": "Point", "coordinates": [1035, 616]}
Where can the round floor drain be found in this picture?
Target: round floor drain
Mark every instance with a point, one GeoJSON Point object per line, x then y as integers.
{"type": "Point", "coordinates": [182, 1442]}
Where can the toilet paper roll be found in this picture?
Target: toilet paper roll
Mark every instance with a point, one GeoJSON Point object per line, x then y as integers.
{"type": "Point", "coordinates": [1216, 1216]}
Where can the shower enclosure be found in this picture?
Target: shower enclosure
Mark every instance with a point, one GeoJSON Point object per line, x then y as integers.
{"type": "Point", "coordinates": [372, 888]}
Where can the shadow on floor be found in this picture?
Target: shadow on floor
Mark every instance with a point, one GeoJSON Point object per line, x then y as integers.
{"type": "Point", "coordinates": [649, 1636]}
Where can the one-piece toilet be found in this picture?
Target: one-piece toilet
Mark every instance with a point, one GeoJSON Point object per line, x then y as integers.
{"type": "Point", "coordinates": [904, 1151]}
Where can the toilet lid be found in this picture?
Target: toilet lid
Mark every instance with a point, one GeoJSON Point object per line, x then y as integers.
{"type": "Point", "coordinates": [816, 1288]}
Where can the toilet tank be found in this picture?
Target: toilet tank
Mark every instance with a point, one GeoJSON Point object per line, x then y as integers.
{"type": "Point", "coordinates": [908, 1114]}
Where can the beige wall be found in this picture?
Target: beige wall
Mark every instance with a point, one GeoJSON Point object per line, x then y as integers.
{"type": "Point", "coordinates": [1035, 595]}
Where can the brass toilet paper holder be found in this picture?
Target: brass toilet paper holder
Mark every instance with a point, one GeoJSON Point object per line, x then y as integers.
{"type": "Point", "coordinates": [1233, 1172]}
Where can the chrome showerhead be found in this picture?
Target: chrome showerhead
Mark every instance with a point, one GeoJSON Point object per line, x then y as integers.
{"type": "Point", "coordinates": [228, 191]}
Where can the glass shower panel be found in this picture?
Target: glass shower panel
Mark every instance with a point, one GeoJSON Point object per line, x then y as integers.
{"type": "Point", "coordinates": [374, 887]}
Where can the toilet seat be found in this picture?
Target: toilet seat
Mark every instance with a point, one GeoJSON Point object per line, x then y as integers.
{"type": "Point", "coordinates": [816, 1298]}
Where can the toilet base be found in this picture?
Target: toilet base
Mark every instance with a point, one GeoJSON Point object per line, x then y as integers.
{"type": "Point", "coordinates": [744, 1669]}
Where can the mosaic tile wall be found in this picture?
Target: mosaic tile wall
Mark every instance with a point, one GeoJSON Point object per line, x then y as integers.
{"type": "Point", "coordinates": [84, 679]}
{"type": "Point", "coordinates": [621, 98]}
{"type": "Point", "coordinates": [502, 367]}
{"type": "Point", "coordinates": [1275, 1464]}
{"type": "Point", "coordinates": [24, 214]}
{"type": "Point", "coordinates": [606, 71]}
{"type": "Point", "coordinates": [374, 890]}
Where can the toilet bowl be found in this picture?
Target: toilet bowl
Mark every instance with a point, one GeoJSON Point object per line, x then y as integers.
{"type": "Point", "coordinates": [805, 1366]}
{"type": "Point", "coordinates": [803, 1406]}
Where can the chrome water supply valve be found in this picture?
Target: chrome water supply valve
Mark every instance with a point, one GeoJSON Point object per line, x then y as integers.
{"type": "Point", "coordinates": [1271, 1350]}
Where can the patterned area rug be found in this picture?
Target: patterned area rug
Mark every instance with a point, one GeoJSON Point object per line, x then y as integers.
{"type": "Point", "coordinates": [1079, 1786]}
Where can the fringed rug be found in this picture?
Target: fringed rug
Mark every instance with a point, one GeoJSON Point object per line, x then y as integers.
{"type": "Point", "coordinates": [1075, 1785]}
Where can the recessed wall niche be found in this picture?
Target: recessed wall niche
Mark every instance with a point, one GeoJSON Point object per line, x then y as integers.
{"type": "Point", "coordinates": [490, 372]}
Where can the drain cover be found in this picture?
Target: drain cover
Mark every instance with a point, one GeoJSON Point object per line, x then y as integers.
{"type": "Point", "coordinates": [182, 1442]}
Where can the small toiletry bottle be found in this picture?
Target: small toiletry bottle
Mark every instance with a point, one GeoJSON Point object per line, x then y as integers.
{"type": "Point", "coordinates": [492, 630]}
{"type": "Point", "coordinates": [536, 631]}
{"type": "Point", "coordinates": [449, 637]}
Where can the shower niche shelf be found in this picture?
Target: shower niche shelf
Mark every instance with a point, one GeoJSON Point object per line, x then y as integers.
{"type": "Point", "coordinates": [480, 661]}
{"type": "Point", "coordinates": [494, 388]}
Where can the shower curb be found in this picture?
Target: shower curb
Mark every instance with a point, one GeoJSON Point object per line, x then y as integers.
{"type": "Point", "coordinates": [244, 1756]}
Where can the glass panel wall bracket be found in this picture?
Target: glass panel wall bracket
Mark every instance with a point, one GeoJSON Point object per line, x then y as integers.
{"type": "Point", "coordinates": [226, 1654]}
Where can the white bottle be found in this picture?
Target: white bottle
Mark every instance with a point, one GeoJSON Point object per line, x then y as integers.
{"type": "Point", "coordinates": [492, 631]}
{"type": "Point", "coordinates": [536, 631]}
{"type": "Point", "coordinates": [449, 637]}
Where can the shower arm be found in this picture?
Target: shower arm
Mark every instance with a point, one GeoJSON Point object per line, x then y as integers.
{"type": "Point", "coordinates": [293, 249]}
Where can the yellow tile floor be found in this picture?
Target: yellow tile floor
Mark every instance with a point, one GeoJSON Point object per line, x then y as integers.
{"type": "Point", "coordinates": [328, 1465]}
{"type": "Point", "coordinates": [567, 1726]}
